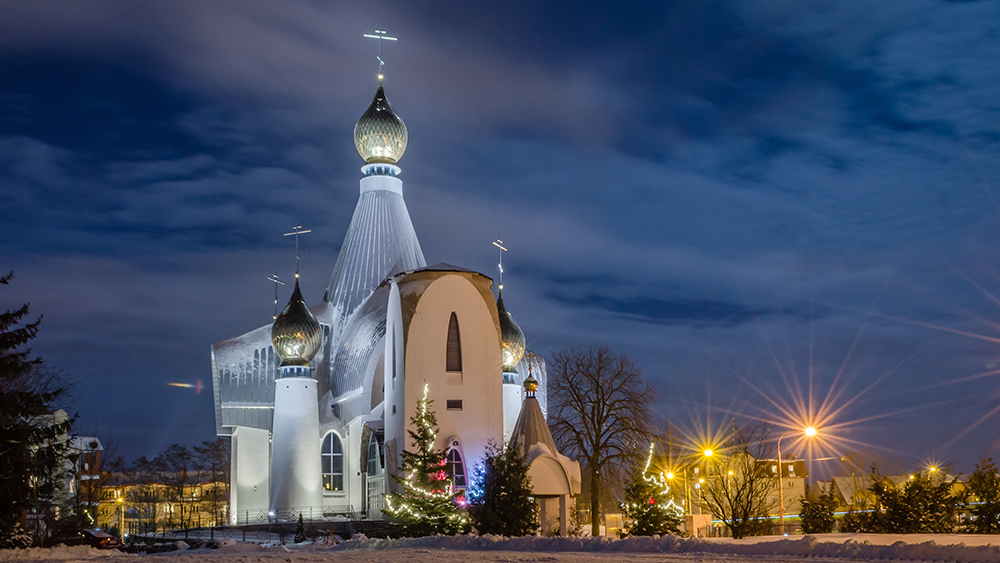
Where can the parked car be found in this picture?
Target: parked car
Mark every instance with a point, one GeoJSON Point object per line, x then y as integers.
{"type": "Point", "coordinates": [93, 538]}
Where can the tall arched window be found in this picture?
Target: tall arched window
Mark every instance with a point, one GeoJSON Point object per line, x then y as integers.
{"type": "Point", "coordinates": [333, 463]}
{"type": "Point", "coordinates": [374, 456]}
{"type": "Point", "coordinates": [456, 470]}
{"type": "Point", "coordinates": [454, 362]}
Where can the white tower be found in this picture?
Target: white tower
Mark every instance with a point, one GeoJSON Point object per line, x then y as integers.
{"type": "Point", "coordinates": [295, 447]}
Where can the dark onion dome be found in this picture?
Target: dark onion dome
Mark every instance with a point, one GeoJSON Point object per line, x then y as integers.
{"type": "Point", "coordinates": [511, 338]}
{"type": "Point", "coordinates": [380, 134]}
{"type": "Point", "coordinates": [296, 333]}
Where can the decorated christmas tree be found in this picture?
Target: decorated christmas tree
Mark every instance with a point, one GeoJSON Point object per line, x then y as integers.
{"type": "Point", "coordinates": [425, 504]}
{"type": "Point", "coordinates": [648, 508]}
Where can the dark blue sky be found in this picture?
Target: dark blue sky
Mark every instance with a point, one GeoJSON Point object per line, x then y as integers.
{"type": "Point", "coordinates": [743, 197]}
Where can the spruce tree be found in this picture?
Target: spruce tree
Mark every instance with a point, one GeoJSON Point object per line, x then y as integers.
{"type": "Point", "coordinates": [984, 484]}
{"type": "Point", "coordinates": [500, 501]}
{"type": "Point", "coordinates": [32, 441]}
{"type": "Point", "coordinates": [817, 513]}
{"type": "Point", "coordinates": [426, 504]}
{"type": "Point", "coordinates": [648, 508]}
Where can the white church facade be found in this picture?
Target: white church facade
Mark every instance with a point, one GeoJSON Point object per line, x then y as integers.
{"type": "Point", "coordinates": [317, 403]}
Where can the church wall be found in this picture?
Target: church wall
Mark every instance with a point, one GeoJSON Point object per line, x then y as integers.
{"type": "Point", "coordinates": [478, 386]}
{"type": "Point", "coordinates": [251, 450]}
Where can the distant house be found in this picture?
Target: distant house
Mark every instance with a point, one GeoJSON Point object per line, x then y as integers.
{"type": "Point", "coordinates": [140, 502]}
{"type": "Point", "coordinates": [793, 480]}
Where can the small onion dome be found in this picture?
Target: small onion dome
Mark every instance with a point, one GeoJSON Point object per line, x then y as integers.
{"type": "Point", "coordinates": [380, 134]}
{"type": "Point", "coordinates": [296, 333]}
{"type": "Point", "coordinates": [511, 338]}
{"type": "Point", "coordinates": [531, 384]}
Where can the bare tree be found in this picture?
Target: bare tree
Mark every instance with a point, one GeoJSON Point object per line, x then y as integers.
{"type": "Point", "coordinates": [175, 466]}
{"type": "Point", "coordinates": [213, 460]}
{"type": "Point", "coordinates": [738, 490]}
{"type": "Point", "coordinates": [599, 407]}
{"type": "Point", "coordinates": [93, 471]}
{"type": "Point", "coordinates": [146, 494]}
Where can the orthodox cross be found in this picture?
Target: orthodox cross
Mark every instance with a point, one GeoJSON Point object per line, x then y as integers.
{"type": "Point", "coordinates": [296, 231]}
{"type": "Point", "coordinates": [499, 244]}
{"type": "Point", "coordinates": [380, 34]}
{"type": "Point", "coordinates": [276, 281]}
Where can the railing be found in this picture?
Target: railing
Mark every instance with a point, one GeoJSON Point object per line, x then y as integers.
{"type": "Point", "coordinates": [308, 513]}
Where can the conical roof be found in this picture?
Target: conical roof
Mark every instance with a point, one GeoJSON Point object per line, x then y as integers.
{"type": "Point", "coordinates": [296, 334]}
{"type": "Point", "coordinates": [380, 135]}
{"type": "Point", "coordinates": [531, 428]}
{"type": "Point", "coordinates": [511, 338]}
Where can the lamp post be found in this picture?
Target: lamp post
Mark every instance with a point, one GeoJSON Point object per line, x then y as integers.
{"type": "Point", "coordinates": [809, 432]}
{"type": "Point", "coordinates": [121, 524]}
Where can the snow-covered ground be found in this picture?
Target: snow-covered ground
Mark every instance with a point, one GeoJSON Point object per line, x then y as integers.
{"type": "Point", "coordinates": [475, 549]}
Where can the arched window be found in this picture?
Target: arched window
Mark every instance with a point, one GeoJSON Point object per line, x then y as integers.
{"type": "Point", "coordinates": [456, 469]}
{"type": "Point", "coordinates": [374, 456]}
{"type": "Point", "coordinates": [454, 362]}
{"type": "Point", "coordinates": [333, 463]}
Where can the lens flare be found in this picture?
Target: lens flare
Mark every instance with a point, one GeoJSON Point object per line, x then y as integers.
{"type": "Point", "coordinates": [196, 386]}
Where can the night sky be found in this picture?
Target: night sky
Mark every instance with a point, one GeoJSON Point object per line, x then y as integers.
{"type": "Point", "coordinates": [758, 202]}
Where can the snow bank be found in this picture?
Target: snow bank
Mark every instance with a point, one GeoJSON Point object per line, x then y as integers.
{"type": "Point", "coordinates": [59, 553]}
{"type": "Point", "coordinates": [805, 546]}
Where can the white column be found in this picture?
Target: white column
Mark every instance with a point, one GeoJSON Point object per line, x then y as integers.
{"type": "Point", "coordinates": [564, 515]}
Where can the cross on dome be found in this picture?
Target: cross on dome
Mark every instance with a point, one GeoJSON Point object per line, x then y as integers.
{"type": "Point", "coordinates": [380, 34]}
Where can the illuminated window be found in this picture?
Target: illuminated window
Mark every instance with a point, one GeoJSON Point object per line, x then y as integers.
{"type": "Point", "coordinates": [454, 346]}
{"type": "Point", "coordinates": [333, 463]}
{"type": "Point", "coordinates": [456, 469]}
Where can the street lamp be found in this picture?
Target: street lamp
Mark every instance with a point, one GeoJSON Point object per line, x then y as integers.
{"type": "Point", "coordinates": [809, 432]}
{"type": "Point", "coordinates": [121, 523]}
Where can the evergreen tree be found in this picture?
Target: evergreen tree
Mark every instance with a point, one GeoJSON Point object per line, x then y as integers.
{"type": "Point", "coordinates": [500, 500]}
{"type": "Point", "coordinates": [648, 507]}
{"type": "Point", "coordinates": [817, 513]}
{"type": "Point", "coordinates": [984, 484]}
{"type": "Point", "coordinates": [32, 440]}
{"type": "Point", "coordinates": [923, 505]}
{"type": "Point", "coordinates": [300, 531]}
{"type": "Point", "coordinates": [425, 505]}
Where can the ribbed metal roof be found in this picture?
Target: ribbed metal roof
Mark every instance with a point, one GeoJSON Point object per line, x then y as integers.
{"type": "Point", "coordinates": [531, 428]}
{"type": "Point", "coordinates": [361, 342]}
{"type": "Point", "coordinates": [380, 243]}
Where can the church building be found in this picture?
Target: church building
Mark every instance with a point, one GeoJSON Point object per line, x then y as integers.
{"type": "Point", "coordinates": [317, 403]}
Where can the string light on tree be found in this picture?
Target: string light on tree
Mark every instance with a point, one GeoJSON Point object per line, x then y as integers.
{"type": "Point", "coordinates": [647, 504]}
{"type": "Point", "coordinates": [426, 505]}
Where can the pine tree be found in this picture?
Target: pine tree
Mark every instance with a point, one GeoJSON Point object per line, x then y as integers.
{"type": "Point", "coordinates": [648, 508]}
{"type": "Point", "coordinates": [31, 440]}
{"type": "Point", "coordinates": [500, 501]}
{"type": "Point", "coordinates": [425, 504]}
{"type": "Point", "coordinates": [984, 484]}
{"type": "Point", "coordinates": [817, 513]}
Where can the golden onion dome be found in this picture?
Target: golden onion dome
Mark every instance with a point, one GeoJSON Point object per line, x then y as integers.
{"type": "Point", "coordinates": [380, 134]}
{"type": "Point", "coordinates": [531, 384]}
{"type": "Point", "coordinates": [511, 338]}
{"type": "Point", "coordinates": [296, 333]}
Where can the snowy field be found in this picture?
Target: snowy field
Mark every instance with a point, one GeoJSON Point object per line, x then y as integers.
{"type": "Point", "coordinates": [474, 549]}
